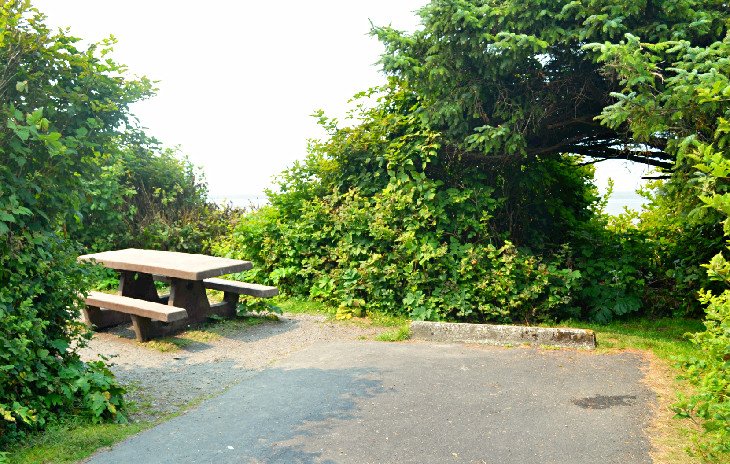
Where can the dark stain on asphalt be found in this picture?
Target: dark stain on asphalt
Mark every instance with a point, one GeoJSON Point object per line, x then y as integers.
{"type": "Point", "coordinates": [605, 402]}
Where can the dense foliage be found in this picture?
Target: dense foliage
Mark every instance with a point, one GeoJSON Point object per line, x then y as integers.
{"type": "Point", "coordinates": [141, 196]}
{"type": "Point", "coordinates": [506, 77]}
{"type": "Point", "coordinates": [61, 108]}
{"type": "Point", "coordinates": [683, 89]}
{"type": "Point", "coordinates": [534, 78]}
{"type": "Point", "coordinates": [710, 371]}
{"type": "Point", "coordinates": [403, 234]}
{"type": "Point", "coordinates": [678, 89]}
{"type": "Point", "coordinates": [482, 141]}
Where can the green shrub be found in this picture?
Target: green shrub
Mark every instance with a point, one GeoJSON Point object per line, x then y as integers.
{"type": "Point", "coordinates": [403, 236]}
{"type": "Point", "coordinates": [680, 236]}
{"type": "Point", "coordinates": [61, 106]}
{"type": "Point", "coordinates": [143, 197]}
{"type": "Point", "coordinates": [611, 255]}
{"type": "Point", "coordinates": [41, 375]}
{"type": "Point", "coordinates": [710, 372]}
{"type": "Point", "coordinates": [675, 89]}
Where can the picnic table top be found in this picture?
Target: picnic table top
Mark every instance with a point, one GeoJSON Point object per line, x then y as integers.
{"type": "Point", "coordinates": [168, 263]}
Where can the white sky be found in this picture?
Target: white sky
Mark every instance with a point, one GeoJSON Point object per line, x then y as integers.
{"type": "Point", "coordinates": [238, 80]}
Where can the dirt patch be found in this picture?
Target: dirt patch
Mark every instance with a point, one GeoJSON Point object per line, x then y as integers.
{"type": "Point", "coordinates": [162, 382]}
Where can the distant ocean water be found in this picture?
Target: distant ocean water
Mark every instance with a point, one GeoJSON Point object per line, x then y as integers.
{"type": "Point", "coordinates": [615, 205]}
{"type": "Point", "coordinates": [241, 201]}
{"type": "Point", "coordinates": [618, 200]}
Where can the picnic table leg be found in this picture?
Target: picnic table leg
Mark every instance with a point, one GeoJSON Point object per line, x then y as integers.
{"type": "Point", "coordinates": [230, 299]}
{"type": "Point", "coordinates": [190, 294]}
{"type": "Point", "coordinates": [226, 308]}
{"type": "Point", "coordinates": [143, 328]}
{"type": "Point", "coordinates": [137, 285]}
{"type": "Point", "coordinates": [142, 286]}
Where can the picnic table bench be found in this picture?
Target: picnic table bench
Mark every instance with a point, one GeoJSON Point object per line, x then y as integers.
{"type": "Point", "coordinates": [189, 275]}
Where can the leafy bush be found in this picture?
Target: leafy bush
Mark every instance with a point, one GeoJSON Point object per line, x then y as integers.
{"type": "Point", "coordinates": [143, 197]}
{"type": "Point", "coordinates": [676, 89]}
{"type": "Point", "coordinates": [611, 255]}
{"type": "Point", "coordinates": [681, 88]}
{"type": "Point", "coordinates": [60, 107]}
{"type": "Point", "coordinates": [402, 236]}
{"type": "Point", "coordinates": [710, 372]}
{"type": "Point", "coordinates": [42, 375]}
{"type": "Point", "coordinates": [680, 235]}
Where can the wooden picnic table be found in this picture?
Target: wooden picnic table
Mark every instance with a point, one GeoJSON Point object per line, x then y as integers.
{"type": "Point", "coordinates": [188, 276]}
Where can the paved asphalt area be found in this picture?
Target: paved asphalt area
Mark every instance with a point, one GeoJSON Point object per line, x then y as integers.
{"type": "Point", "coordinates": [374, 402]}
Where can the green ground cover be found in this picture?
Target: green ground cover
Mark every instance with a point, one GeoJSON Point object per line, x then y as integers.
{"type": "Point", "coordinates": [665, 337]}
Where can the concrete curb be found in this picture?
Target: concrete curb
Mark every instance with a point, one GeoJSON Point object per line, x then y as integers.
{"type": "Point", "coordinates": [502, 334]}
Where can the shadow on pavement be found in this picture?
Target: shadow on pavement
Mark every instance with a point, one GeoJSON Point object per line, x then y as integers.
{"type": "Point", "coordinates": [254, 421]}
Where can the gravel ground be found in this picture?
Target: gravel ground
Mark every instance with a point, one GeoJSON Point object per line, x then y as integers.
{"type": "Point", "coordinates": [161, 383]}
